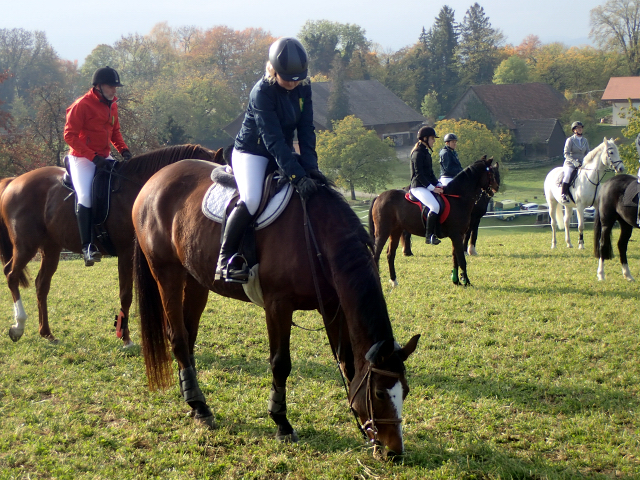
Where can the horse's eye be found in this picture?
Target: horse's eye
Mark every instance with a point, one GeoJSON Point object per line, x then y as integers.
{"type": "Point", "coordinates": [380, 395]}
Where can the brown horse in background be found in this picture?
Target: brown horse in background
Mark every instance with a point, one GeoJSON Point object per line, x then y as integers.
{"type": "Point", "coordinates": [330, 270]}
{"type": "Point", "coordinates": [391, 214]}
{"type": "Point", "coordinates": [37, 214]}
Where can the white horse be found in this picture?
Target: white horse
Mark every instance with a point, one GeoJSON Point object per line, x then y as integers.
{"type": "Point", "coordinates": [596, 162]}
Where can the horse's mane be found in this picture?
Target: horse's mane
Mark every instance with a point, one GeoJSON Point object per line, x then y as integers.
{"type": "Point", "coordinates": [461, 183]}
{"type": "Point", "coordinates": [352, 265]}
{"type": "Point", "coordinates": [592, 153]}
{"type": "Point", "coordinates": [148, 163]}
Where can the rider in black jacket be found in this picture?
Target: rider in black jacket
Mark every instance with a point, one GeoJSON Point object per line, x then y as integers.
{"type": "Point", "coordinates": [279, 107]}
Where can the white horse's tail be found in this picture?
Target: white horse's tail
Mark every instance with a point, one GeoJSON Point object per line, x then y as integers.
{"type": "Point", "coordinates": [559, 213]}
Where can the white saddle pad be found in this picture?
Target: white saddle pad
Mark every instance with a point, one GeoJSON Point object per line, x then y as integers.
{"type": "Point", "coordinates": [218, 196]}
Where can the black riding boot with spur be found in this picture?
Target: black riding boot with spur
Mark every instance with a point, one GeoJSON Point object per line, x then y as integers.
{"type": "Point", "coordinates": [90, 252]}
{"type": "Point", "coordinates": [232, 267]}
{"type": "Point", "coordinates": [431, 237]}
{"type": "Point", "coordinates": [564, 197]}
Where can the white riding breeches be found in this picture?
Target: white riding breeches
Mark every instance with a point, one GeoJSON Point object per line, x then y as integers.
{"type": "Point", "coordinates": [249, 170]}
{"type": "Point", "coordinates": [568, 170]}
{"type": "Point", "coordinates": [445, 180]}
{"type": "Point", "coordinates": [427, 198]}
{"type": "Point", "coordinates": [82, 172]}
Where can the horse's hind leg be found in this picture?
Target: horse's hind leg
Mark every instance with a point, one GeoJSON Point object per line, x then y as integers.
{"type": "Point", "coordinates": [15, 272]}
{"type": "Point", "coordinates": [279, 329]}
{"type": "Point", "coordinates": [50, 257]}
{"type": "Point", "coordinates": [394, 241]}
{"type": "Point", "coordinates": [171, 282]}
{"type": "Point", "coordinates": [125, 282]}
{"type": "Point", "coordinates": [625, 234]}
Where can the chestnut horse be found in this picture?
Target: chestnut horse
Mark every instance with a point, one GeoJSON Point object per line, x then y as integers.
{"type": "Point", "coordinates": [37, 215]}
{"type": "Point", "coordinates": [390, 213]}
{"type": "Point", "coordinates": [611, 207]}
{"type": "Point", "coordinates": [321, 262]}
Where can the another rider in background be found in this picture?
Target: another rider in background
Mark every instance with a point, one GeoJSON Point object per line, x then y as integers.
{"type": "Point", "coordinates": [575, 149]}
{"type": "Point", "coordinates": [449, 162]}
{"type": "Point", "coordinates": [279, 107]}
{"type": "Point", "coordinates": [424, 183]}
{"type": "Point", "coordinates": [91, 128]}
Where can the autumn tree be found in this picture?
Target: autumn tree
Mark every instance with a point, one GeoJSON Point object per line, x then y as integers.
{"type": "Point", "coordinates": [354, 157]}
{"type": "Point", "coordinates": [474, 141]}
{"type": "Point", "coordinates": [616, 25]}
{"type": "Point", "coordinates": [628, 151]}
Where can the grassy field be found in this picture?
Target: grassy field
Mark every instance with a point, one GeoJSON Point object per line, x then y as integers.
{"type": "Point", "coordinates": [532, 373]}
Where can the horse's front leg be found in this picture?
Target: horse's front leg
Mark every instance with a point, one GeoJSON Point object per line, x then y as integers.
{"type": "Point", "coordinates": [625, 234]}
{"type": "Point", "coordinates": [125, 281]}
{"type": "Point", "coordinates": [406, 244]}
{"type": "Point", "coordinates": [279, 329]}
{"type": "Point", "coordinates": [580, 211]}
{"type": "Point", "coordinates": [459, 261]}
{"type": "Point", "coordinates": [567, 224]}
{"type": "Point", "coordinates": [394, 241]}
{"type": "Point", "coordinates": [50, 258]}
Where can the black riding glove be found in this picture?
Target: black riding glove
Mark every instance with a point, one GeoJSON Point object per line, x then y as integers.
{"type": "Point", "coordinates": [306, 187]}
{"type": "Point", "coordinates": [126, 155]}
{"type": "Point", "coordinates": [100, 162]}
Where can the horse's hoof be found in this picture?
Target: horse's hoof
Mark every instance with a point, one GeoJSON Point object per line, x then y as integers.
{"type": "Point", "coordinates": [206, 421]}
{"type": "Point", "coordinates": [52, 340]}
{"type": "Point", "coordinates": [408, 254]}
{"type": "Point", "coordinates": [581, 246]}
{"type": "Point", "coordinates": [394, 283]}
{"type": "Point", "coordinates": [128, 344]}
{"type": "Point", "coordinates": [15, 334]}
{"type": "Point", "coordinates": [288, 438]}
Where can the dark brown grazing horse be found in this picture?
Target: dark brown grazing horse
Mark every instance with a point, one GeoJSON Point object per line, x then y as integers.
{"type": "Point", "coordinates": [471, 235]}
{"type": "Point", "coordinates": [333, 273]}
{"type": "Point", "coordinates": [611, 207]}
{"type": "Point", "coordinates": [37, 215]}
{"type": "Point", "coordinates": [390, 214]}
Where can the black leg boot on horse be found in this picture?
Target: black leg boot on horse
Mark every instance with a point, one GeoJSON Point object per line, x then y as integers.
{"type": "Point", "coordinates": [432, 220]}
{"type": "Point", "coordinates": [233, 267]}
{"type": "Point", "coordinates": [90, 252]}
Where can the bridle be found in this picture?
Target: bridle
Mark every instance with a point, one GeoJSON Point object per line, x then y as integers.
{"type": "Point", "coordinates": [369, 428]}
{"type": "Point", "coordinates": [599, 178]}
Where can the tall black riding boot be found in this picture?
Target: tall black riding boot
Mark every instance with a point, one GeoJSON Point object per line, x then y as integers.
{"type": "Point", "coordinates": [564, 197]}
{"type": "Point", "coordinates": [233, 268]}
{"type": "Point", "coordinates": [90, 252]}
{"type": "Point", "coordinates": [431, 237]}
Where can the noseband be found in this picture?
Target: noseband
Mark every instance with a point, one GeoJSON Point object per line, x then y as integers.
{"type": "Point", "coordinates": [369, 427]}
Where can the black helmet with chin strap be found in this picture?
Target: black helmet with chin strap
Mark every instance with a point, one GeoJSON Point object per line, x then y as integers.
{"type": "Point", "coordinates": [289, 59]}
{"type": "Point", "coordinates": [106, 75]}
{"type": "Point", "coordinates": [426, 132]}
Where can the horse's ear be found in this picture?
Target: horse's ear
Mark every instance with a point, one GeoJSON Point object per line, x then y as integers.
{"type": "Point", "coordinates": [218, 156]}
{"type": "Point", "coordinates": [484, 158]}
{"type": "Point", "coordinates": [409, 348]}
{"type": "Point", "coordinates": [379, 351]}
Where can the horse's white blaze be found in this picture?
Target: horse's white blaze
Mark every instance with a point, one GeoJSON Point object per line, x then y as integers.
{"type": "Point", "coordinates": [19, 315]}
{"type": "Point", "coordinates": [626, 273]}
{"type": "Point", "coordinates": [395, 394]}
{"type": "Point", "coordinates": [600, 269]}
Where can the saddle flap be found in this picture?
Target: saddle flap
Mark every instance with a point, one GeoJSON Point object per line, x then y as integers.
{"type": "Point", "coordinates": [631, 194]}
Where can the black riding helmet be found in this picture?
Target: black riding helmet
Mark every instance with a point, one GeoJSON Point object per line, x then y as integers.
{"type": "Point", "coordinates": [576, 124]}
{"type": "Point", "coordinates": [426, 132]}
{"type": "Point", "coordinates": [449, 137]}
{"type": "Point", "coordinates": [289, 59]}
{"type": "Point", "coordinates": [106, 75]}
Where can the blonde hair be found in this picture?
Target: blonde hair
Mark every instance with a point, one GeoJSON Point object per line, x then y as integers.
{"type": "Point", "coordinates": [270, 75]}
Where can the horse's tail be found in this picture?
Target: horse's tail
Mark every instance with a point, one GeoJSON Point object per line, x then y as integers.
{"type": "Point", "coordinates": [606, 253]}
{"type": "Point", "coordinates": [372, 225]}
{"type": "Point", "coordinates": [6, 246]}
{"type": "Point", "coordinates": [559, 214]}
{"type": "Point", "coordinates": [153, 328]}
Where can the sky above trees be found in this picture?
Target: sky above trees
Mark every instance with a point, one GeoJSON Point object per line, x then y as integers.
{"type": "Point", "coordinates": [75, 28]}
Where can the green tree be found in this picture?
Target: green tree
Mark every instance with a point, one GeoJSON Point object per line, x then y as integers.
{"type": "Point", "coordinates": [430, 107]}
{"type": "Point", "coordinates": [478, 53]}
{"type": "Point", "coordinates": [441, 42]}
{"type": "Point", "coordinates": [338, 105]}
{"type": "Point", "coordinates": [474, 141]}
{"type": "Point", "coordinates": [628, 151]}
{"type": "Point", "coordinates": [616, 25]}
{"type": "Point", "coordinates": [512, 70]}
{"type": "Point", "coordinates": [354, 157]}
